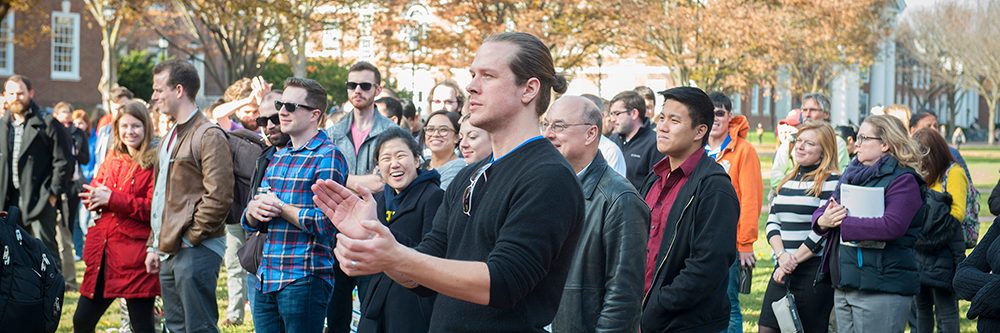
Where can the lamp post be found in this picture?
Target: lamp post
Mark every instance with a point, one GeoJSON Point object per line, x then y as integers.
{"type": "Point", "coordinates": [414, 44]}
{"type": "Point", "coordinates": [600, 73]}
{"type": "Point", "coordinates": [163, 44]}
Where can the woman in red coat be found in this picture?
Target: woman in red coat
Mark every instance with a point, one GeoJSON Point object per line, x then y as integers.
{"type": "Point", "coordinates": [115, 250]}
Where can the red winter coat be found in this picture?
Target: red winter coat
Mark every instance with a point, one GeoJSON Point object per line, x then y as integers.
{"type": "Point", "coordinates": [119, 235]}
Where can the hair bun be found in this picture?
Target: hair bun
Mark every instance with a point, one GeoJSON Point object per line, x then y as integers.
{"type": "Point", "coordinates": [559, 84]}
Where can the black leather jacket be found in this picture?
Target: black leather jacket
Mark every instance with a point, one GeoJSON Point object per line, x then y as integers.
{"type": "Point", "coordinates": [603, 290]}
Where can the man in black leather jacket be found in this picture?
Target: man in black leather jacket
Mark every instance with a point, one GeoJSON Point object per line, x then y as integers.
{"type": "Point", "coordinates": [604, 286]}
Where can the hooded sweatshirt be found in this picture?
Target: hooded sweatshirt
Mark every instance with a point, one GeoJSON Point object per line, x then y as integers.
{"type": "Point", "coordinates": [740, 161]}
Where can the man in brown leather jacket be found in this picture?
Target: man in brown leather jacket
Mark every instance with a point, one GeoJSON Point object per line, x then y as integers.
{"type": "Point", "coordinates": [603, 290]}
{"type": "Point", "coordinates": [191, 198]}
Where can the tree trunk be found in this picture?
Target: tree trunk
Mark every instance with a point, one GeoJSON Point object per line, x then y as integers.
{"type": "Point", "coordinates": [991, 105]}
{"type": "Point", "coordinates": [109, 72]}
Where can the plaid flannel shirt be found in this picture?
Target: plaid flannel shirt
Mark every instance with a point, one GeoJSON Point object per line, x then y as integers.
{"type": "Point", "coordinates": [291, 253]}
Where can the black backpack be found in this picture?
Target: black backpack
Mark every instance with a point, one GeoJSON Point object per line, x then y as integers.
{"type": "Point", "coordinates": [246, 147]}
{"type": "Point", "coordinates": [31, 286]}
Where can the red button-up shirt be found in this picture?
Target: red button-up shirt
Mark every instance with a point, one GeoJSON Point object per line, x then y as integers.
{"type": "Point", "coordinates": [660, 199]}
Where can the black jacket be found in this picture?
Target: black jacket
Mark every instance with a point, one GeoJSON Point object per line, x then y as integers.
{"type": "Point", "coordinates": [974, 282]}
{"type": "Point", "coordinates": [604, 285]}
{"type": "Point", "coordinates": [45, 162]}
{"type": "Point", "coordinates": [388, 306]}
{"type": "Point", "coordinates": [688, 293]}
{"type": "Point", "coordinates": [80, 147]}
{"type": "Point", "coordinates": [640, 154]}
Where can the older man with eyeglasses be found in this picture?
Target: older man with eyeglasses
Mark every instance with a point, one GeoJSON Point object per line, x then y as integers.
{"type": "Point", "coordinates": [604, 288]}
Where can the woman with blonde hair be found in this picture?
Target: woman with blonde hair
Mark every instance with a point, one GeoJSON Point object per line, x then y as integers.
{"type": "Point", "coordinates": [115, 250]}
{"type": "Point", "coordinates": [808, 186]}
{"type": "Point", "coordinates": [871, 260]}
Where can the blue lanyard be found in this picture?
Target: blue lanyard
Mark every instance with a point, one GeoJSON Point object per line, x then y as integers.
{"type": "Point", "coordinates": [495, 160]}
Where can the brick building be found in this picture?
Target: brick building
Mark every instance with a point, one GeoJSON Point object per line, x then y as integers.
{"type": "Point", "coordinates": [63, 65]}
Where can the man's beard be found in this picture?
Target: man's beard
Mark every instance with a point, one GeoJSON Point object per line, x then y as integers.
{"type": "Point", "coordinates": [17, 107]}
{"type": "Point", "coordinates": [250, 124]}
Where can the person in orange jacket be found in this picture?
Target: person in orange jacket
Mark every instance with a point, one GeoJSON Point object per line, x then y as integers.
{"type": "Point", "coordinates": [728, 146]}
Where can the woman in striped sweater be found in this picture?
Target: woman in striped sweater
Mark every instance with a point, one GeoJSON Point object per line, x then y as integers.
{"type": "Point", "coordinates": [789, 229]}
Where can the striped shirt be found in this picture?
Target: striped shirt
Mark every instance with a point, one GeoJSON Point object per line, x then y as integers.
{"type": "Point", "coordinates": [18, 126]}
{"type": "Point", "coordinates": [291, 253]}
{"type": "Point", "coordinates": [791, 212]}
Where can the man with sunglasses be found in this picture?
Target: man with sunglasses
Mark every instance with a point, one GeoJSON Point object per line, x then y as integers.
{"type": "Point", "coordinates": [728, 146]}
{"type": "Point", "coordinates": [356, 137]}
{"type": "Point", "coordinates": [634, 135]}
{"type": "Point", "coordinates": [501, 243]}
{"type": "Point", "coordinates": [604, 287]}
{"type": "Point", "coordinates": [297, 266]}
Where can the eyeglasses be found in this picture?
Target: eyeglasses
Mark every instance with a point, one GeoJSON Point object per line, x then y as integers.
{"type": "Point", "coordinates": [720, 113]}
{"type": "Point", "coordinates": [804, 110]}
{"type": "Point", "coordinates": [364, 85]}
{"type": "Point", "coordinates": [440, 131]}
{"type": "Point", "coordinates": [558, 127]}
{"type": "Point", "coordinates": [862, 138]}
{"type": "Point", "coordinates": [467, 194]}
{"type": "Point", "coordinates": [262, 121]}
{"type": "Point", "coordinates": [291, 107]}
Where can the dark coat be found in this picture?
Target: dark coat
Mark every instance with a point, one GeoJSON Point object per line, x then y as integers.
{"type": "Point", "coordinates": [937, 267]}
{"type": "Point", "coordinates": [45, 162]}
{"type": "Point", "coordinates": [975, 282]}
{"type": "Point", "coordinates": [118, 238]}
{"type": "Point", "coordinates": [604, 286]}
{"type": "Point", "coordinates": [388, 306]}
{"type": "Point", "coordinates": [688, 292]}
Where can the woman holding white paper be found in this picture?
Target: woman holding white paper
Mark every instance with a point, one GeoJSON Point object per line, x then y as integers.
{"type": "Point", "coordinates": [797, 248]}
{"type": "Point", "coordinates": [871, 260]}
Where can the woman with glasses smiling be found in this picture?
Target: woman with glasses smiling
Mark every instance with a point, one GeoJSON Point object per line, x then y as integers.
{"type": "Point", "coordinates": [441, 137]}
{"type": "Point", "coordinates": [871, 260]}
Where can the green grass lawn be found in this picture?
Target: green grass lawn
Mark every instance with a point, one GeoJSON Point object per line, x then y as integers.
{"type": "Point", "coordinates": [983, 164]}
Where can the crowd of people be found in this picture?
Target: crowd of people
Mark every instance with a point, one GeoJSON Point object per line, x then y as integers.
{"type": "Point", "coordinates": [505, 206]}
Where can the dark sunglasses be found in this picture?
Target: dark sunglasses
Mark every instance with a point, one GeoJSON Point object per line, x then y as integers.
{"type": "Point", "coordinates": [720, 113]}
{"type": "Point", "coordinates": [262, 121]}
{"type": "Point", "coordinates": [291, 107]}
{"type": "Point", "coordinates": [364, 85]}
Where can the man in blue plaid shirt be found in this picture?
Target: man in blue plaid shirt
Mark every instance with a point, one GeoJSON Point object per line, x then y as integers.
{"type": "Point", "coordinates": [296, 271]}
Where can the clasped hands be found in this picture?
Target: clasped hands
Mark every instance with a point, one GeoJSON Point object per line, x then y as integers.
{"type": "Point", "coordinates": [364, 245]}
{"type": "Point", "coordinates": [94, 197]}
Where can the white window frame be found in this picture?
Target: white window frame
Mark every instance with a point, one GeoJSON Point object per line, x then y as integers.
{"type": "Point", "coordinates": [74, 74]}
{"type": "Point", "coordinates": [7, 66]}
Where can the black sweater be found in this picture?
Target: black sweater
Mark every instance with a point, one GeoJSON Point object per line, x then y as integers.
{"type": "Point", "coordinates": [524, 224]}
{"type": "Point", "coordinates": [975, 282]}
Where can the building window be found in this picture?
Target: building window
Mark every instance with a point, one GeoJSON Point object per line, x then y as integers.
{"type": "Point", "coordinates": [7, 45]}
{"type": "Point", "coordinates": [65, 46]}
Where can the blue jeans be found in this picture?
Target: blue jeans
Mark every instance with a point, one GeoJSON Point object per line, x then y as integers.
{"type": "Point", "coordinates": [252, 284]}
{"type": "Point", "coordinates": [299, 307]}
{"type": "Point", "coordinates": [735, 317]}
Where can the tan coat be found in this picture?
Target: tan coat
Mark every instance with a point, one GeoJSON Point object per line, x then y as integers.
{"type": "Point", "coordinates": [198, 194]}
